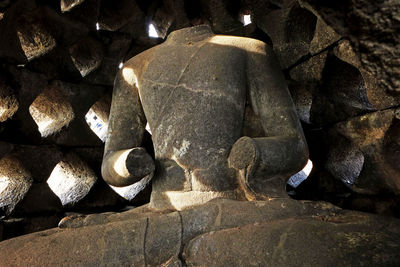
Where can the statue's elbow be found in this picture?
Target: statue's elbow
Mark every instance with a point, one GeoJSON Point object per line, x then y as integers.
{"type": "Point", "coordinates": [105, 173]}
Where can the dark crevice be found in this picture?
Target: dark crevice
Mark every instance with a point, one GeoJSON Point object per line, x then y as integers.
{"type": "Point", "coordinates": [309, 56]}
{"type": "Point", "coordinates": [180, 256]}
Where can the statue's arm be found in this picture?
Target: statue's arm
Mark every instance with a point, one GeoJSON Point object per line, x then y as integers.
{"type": "Point", "coordinates": [265, 163]}
{"type": "Point", "coordinates": [124, 161]}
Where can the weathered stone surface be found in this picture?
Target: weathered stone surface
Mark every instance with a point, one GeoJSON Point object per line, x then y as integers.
{"type": "Point", "coordinates": [51, 111]}
{"type": "Point", "coordinates": [185, 75]}
{"type": "Point", "coordinates": [86, 55]}
{"type": "Point", "coordinates": [67, 5]}
{"type": "Point", "coordinates": [304, 84]}
{"type": "Point", "coordinates": [86, 12]}
{"type": "Point", "coordinates": [141, 237]}
{"type": "Point", "coordinates": [344, 160]}
{"type": "Point", "coordinates": [330, 241]}
{"type": "Point", "coordinates": [8, 101]}
{"type": "Point", "coordinates": [35, 38]}
{"type": "Point", "coordinates": [373, 27]}
{"type": "Point", "coordinates": [71, 179]}
{"type": "Point", "coordinates": [116, 52]}
{"type": "Point", "coordinates": [114, 15]}
{"type": "Point", "coordinates": [376, 135]}
{"type": "Point", "coordinates": [341, 95]}
{"type": "Point", "coordinates": [38, 160]}
{"type": "Point", "coordinates": [222, 15]}
{"type": "Point", "coordinates": [55, 65]}
{"type": "Point", "coordinates": [81, 97]}
{"type": "Point", "coordinates": [11, 50]}
{"type": "Point", "coordinates": [291, 30]}
{"type": "Point", "coordinates": [28, 86]}
{"type": "Point", "coordinates": [65, 30]}
{"type": "Point", "coordinates": [377, 96]}
{"type": "Point", "coordinates": [15, 182]}
{"type": "Point", "coordinates": [324, 36]}
{"type": "Point", "coordinates": [17, 226]}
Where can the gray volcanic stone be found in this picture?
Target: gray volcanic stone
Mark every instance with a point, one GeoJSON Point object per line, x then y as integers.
{"type": "Point", "coordinates": [363, 21]}
{"type": "Point", "coordinates": [15, 182]}
{"type": "Point", "coordinates": [34, 36]}
{"type": "Point", "coordinates": [376, 135]}
{"type": "Point", "coordinates": [219, 233]}
{"type": "Point", "coordinates": [291, 30]}
{"type": "Point", "coordinates": [333, 240]}
{"type": "Point", "coordinates": [87, 55]}
{"type": "Point", "coordinates": [377, 96]}
{"type": "Point", "coordinates": [71, 179]}
{"type": "Point", "coordinates": [193, 91]}
{"type": "Point", "coordinates": [324, 36]}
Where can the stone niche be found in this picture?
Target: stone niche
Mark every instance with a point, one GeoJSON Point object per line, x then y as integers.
{"type": "Point", "coordinates": [58, 61]}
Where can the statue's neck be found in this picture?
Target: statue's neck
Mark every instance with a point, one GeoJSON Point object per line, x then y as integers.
{"type": "Point", "coordinates": [195, 33]}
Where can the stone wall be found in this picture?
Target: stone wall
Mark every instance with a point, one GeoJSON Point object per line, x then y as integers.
{"type": "Point", "coordinates": [58, 61]}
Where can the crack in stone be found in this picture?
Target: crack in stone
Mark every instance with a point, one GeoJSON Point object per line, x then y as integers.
{"type": "Point", "coordinates": [144, 241]}
{"type": "Point", "coordinates": [180, 77]}
{"type": "Point", "coordinates": [199, 90]}
{"type": "Point", "coordinates": [180, 256]}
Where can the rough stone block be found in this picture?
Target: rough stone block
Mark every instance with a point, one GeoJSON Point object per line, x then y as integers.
{"type": "Point", "coordinates": [291, 30]}
{"type": "Point", "coordinates": [8, 101]}
{"type": "Point", "coordinates": [115, 14]}
{"type": "Point", "coordinates": [376, 135]}
{"type": "Point", "coordinates": [71, 179]}
{"type": "Point", "coordinates": [86, 55]}
{"type": "Point", "coordinates": [51, 111]}
{"type": "Point", "coordinates": [34, 36]}
{"type": "Point", "coordinates": [67, 5]}
{"type": "Point", "coordinates": [15, 182]}
{"type": "Point", "coordinates": [379, 97]}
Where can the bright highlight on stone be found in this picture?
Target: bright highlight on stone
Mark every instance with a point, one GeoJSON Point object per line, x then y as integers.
{"type": "Point", "coordinates": [71, 180]}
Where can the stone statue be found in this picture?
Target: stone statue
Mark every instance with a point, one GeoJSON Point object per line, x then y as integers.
{"type": "Point", "coordinates": [200, 93]}
{"type": "Point", "coordinates": [222, 120]}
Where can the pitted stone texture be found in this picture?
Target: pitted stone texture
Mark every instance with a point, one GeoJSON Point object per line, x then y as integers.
{"type": "Point", "coordinates": [35, 38]}
{"type": "Point", "coordinates": [71, 180]}
{"type": "Point", "coordinates": [291, 30]}
{"type": "Point", "coordinates": [193, 91]}
{"type": "Point", "coordinates": [277, 244]}
{"type": "Point", "coordinates": [15, 182]}
{"type": "Point", "coordinates": [377, 96]}
{"type": "Point", "coordinates": [379, 56]}
{"type": "Point", "coordinates": [51, 111]}
{"type": "Point", "coordinates": [67, 5]}
{"type": "Point", "coordinates": [306, 78]}
{"type": "Point", "coordinates": [324, 36]}
{"type": "Point", "coordinates": [86, 55]}
{"type": "Point", "coordinates": [376, 135]}
{"type": "Point", "coordinates": [244, 232]}
{"type": "Point", "coordinates": [8, 101]}
{"type": "Point", "coordinates": [341, 95]}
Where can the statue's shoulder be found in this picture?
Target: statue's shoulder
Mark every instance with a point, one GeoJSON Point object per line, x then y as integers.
{"type": "Point", "coordinates": [140, 59]}
{"type": "Point", "coordinates": [245, 43]}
